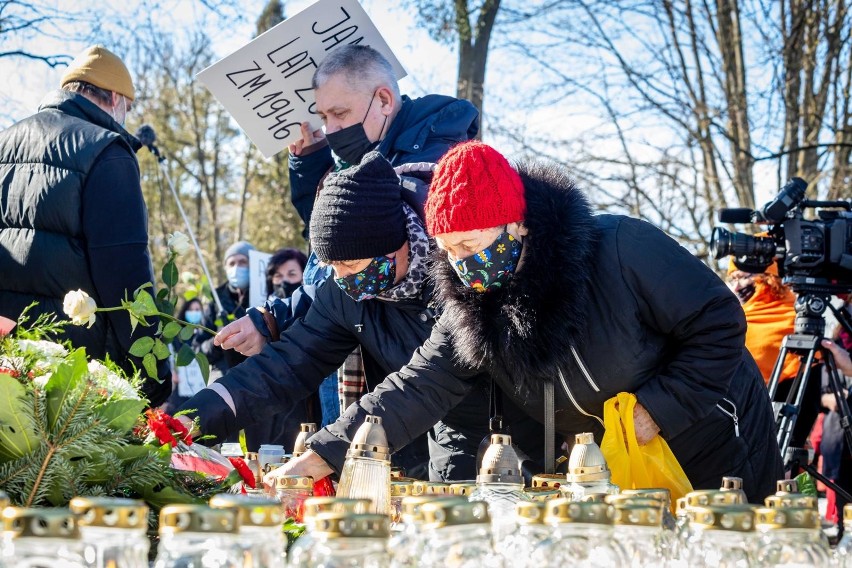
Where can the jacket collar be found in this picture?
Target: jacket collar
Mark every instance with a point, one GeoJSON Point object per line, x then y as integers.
{"type": "Point", "coordinates": [524, 330]}
{"type": "Point", "coordinates": [78, 106]}
{"type": "Point", "coordinates": [419, 118]}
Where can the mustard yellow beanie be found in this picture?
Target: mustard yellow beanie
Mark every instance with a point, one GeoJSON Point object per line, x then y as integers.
{"type": "Point", "coordinates": [102, 68]}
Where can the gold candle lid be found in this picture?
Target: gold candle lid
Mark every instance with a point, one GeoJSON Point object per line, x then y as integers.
{"type": "Point", "coordinates": [791, 500]}
{"type": "Point", "coordinates": [402, 488]}
{"type": "Point", "coordinates": [294, 482]}
{"type": "Point", "coordinates": [110, 512]}
{"type": "Point", "coordinates": [397, 473]}
{"type": "Point", "coordinates": [593, 497]}
{"type": "Point", "coordinates": [454, 512]}
{"type": "Point", "coordinates": [462, 489]}
{"type": "Point", "coordinates": [411, 507]}
{"type": "Point", "coordinates": [847, 513]}
{"type": "Point", "coordinates": [529, 512]}
{"type": "Point", "coordinates": [430, 488]}
{"type": "Point", "coordinates": [558, 511]}
{"type": "Point", "coordinates": [785, 486]}
{"type": "Point", "coordinates": [708, 497]}
{"type": "Point", "coordinates": [370, 441]}
{"type": "Point", "coordinates": [623, 500]}
{"type": "Point", "coordinates": [350, 525]}
{"type": "Point", "coordinates": [197, 518]}
{"type": "Point", "coordinates": [543, 493]}
{"type": "Point", "coordinates": [768, 518]}
{"type": "Point", "coordinates": [682, 506]}
{"type": "Point", "coordinates": [647, 514]}
{"type": "Point", "coordinates": [659, 493]}
{"type": "Point", "coordinates": [251, 511]}
{"type": "Point", "coordinates": [314, 506]}
{"type": "Point", "coordinates": [549, 480]}
{"type": "Point", "coordinates": [20, 522]}
{"type": "Point", "coordinates": [737, 518]}
{"type": "Point", "coordinates": [730, 483]}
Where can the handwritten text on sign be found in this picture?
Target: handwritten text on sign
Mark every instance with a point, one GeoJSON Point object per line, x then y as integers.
{"type": "Point", "coordinates": [266, 84]}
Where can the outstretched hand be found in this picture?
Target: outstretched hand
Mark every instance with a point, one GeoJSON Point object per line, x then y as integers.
{"type": "Point", "coordinates": [309, 138]}
{"type": "Point", "coordinates": [308, 464]}
{"type": "Point", "coordinates": [241, 336]}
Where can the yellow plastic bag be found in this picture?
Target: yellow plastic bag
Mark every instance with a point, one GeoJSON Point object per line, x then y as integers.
{"type": "Point", "coordinates": [633, 466]}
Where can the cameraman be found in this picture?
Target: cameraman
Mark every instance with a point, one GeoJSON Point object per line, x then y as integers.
{"type": "Point", "coordinates": [768, 306]}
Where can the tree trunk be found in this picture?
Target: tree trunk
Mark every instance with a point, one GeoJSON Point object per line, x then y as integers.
{"type": "Point", "coordinates": [473, 50]}
{"type": "Point", "coordinates": [729, 38]}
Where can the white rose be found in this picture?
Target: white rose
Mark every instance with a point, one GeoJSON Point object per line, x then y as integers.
{"type": "Point", "coordinates": [80, 308]}
{"type": "Point", "coordinates": [179, 243]}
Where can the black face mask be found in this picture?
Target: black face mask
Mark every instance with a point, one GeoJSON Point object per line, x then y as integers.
{"type": "Point", "coordinates": [285, 289]}
{"type": "Point", "coordinates": [351, 143]}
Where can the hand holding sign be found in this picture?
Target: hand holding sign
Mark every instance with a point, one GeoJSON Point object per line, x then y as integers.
{"type": "Point", "coordinates": [309, 138]}
{"type": "Point", "coordinates": [266, 84]}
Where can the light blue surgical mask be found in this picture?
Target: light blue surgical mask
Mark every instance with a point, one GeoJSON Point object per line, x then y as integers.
{"type": "Point", "coordinates": [194, 316]}
{"type": "Point", "coordinates": [238, 277]}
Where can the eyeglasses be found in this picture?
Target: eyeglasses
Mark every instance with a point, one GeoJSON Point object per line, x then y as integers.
{"type": "Point", "coordinates": [741, 281]}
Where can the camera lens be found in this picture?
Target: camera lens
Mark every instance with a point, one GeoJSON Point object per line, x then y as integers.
{"type": "Point", "coordinates": [758, 250]}
{"type": "Point", "coordinates": [721, 243]}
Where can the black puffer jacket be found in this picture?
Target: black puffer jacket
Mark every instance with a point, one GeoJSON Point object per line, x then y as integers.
{"type": "Point", "coordinates": [72, 217]}
{"type": "Point", "coordinates": [599, 305]}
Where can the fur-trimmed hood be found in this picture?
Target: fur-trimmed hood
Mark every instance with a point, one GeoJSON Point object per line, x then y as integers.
{"type": "Point", "coordinates": [524, 331]}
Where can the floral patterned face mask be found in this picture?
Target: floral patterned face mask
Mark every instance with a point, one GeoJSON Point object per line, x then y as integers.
{"type": "Point", "coordinates": [377, 277]}
{"type": "Point", "coordinates": [491, 268]}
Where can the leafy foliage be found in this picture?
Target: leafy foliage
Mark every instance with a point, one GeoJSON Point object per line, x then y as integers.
{"type": "Point", "coordinates": [73, 427]}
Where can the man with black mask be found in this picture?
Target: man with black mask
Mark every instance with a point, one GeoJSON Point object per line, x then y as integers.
{"type": "Point", "coordinates": [358, 101]}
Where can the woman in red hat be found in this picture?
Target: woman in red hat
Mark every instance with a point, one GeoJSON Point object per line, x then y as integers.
{"type": "Point", "coordinates": [549, 298]}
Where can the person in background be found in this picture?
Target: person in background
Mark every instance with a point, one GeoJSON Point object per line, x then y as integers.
{"type": "Point", "coordinates": [836, 459]}
{"type": "Point", "coordinates": [284, 275]}
{"type": "Point", "coordinates": [186, 380]}
{"type": "Point", "coordinates": [72, 215]}
{"type": "Point", "coordinates": [284, 272]}
{"type": "Point", "coordinates": [768, 306]}
{"type": "Point", "coordinates": [234, 296]}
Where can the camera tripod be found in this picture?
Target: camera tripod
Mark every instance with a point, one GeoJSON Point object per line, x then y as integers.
{"type": "Point", "coordinates": [805, 342]}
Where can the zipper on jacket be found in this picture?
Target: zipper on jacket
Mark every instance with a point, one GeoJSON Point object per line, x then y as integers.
{"type": "Point", "coordinates": [732, 414]}
{"type": "Point", "coordinates": [574, 400]}
{"type": "Point", "coordinates": [585, 370]}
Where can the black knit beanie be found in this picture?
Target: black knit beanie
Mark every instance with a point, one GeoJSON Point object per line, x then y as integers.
{"type": "Point", "coordinates": [358, 213]}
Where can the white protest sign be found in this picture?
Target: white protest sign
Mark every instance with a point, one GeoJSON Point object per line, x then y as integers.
{"type": "Point", "coordinates": [266, 84]}
{"type": "Point", "coordinates": [258, 261]}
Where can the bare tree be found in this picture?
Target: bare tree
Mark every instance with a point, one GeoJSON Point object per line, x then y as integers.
{"type": "Point", "coordinates": [685, 98]}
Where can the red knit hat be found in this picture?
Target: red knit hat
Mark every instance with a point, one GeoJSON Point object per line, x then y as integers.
{"type": "Point", "coordinates": [474, 187]}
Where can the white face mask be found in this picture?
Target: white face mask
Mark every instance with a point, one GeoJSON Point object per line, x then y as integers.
{"type": "Point", "coordinates": [124, 116]}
